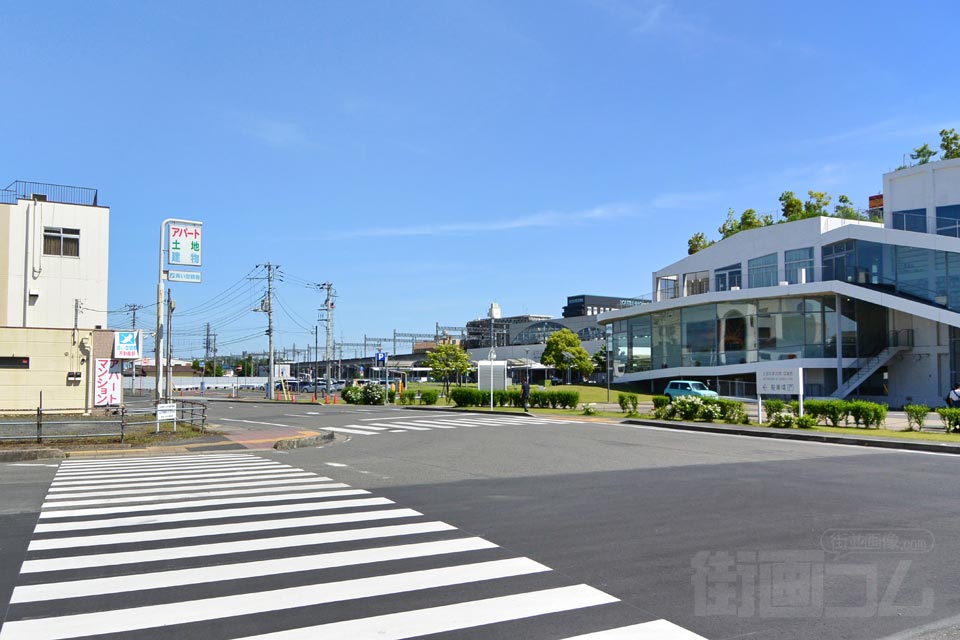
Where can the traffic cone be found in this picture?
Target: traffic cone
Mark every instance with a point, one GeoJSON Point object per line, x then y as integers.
{"type": "Point", "coordinates": [334, 398]}
{"type": "Point", "coordinates": [314, 397]}
{"type": "Point", "coordinates": [326, 398]}
{"type": "Point", "coordinates": [294, 396]}
{"type": "Point", "coordinates": [278, 396]}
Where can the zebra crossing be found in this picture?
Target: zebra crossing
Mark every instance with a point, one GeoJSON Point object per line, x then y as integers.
{"type": "Point", "coordinates": [219, 546]}
{"type": "Point", "coordinates": [405, 424]}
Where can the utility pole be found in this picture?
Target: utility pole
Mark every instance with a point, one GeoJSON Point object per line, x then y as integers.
{"type": "Point", "coordinates": [266, 306]}
{"type": "Point", "coordinates": [171, 305]}
{"type": "Point", "coordinates": [328, 348]}
{"type": "Point", "coordinates": [214, 355]}
{"type": "Point", "coordinates": [133, 307]}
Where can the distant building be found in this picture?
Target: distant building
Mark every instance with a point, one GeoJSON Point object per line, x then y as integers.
{"type": "Point", "coordinates": [587, 305]}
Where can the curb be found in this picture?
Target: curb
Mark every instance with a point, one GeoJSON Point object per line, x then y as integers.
{"type": "Point", "coordinates": [859, 441]}
{"type": "Point", "coordinates": [40, 453]}
{"type": "Point", "coordinates": [311, 441]}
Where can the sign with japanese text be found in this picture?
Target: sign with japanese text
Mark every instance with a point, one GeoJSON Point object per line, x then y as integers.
{"type": "Point", "coordinates": [167, 411]}
{"type": "Point", "coordinates": [184, 276]}
{"type": "Point", "coordinates": [184, 244]}
{"type": "Point", "coordinates": [108, 382]}
{"type": "Point", "coordinates": [779, 382]}
{"type": "Point", "coordinates": [126, 345]}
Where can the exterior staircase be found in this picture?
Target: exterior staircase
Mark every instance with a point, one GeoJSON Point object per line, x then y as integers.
{"type": "Point", "coordinates": [866, 367]}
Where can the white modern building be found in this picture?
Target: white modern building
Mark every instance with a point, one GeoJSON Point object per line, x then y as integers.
{"type": "Point", "coordinates": [54, 250]}
{"type": "Point", "coordinates": [866, 309]}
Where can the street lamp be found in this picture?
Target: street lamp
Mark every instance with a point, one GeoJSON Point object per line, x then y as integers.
{"type": "Point", "coordinates": [493, 313]}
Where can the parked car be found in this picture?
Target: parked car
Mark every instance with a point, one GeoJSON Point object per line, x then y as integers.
{"type": "Point", "coordinates": [677, 388]}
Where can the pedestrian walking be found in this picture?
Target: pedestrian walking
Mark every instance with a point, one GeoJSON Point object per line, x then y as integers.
{"type": "Point", "coordinates": [525, 393]}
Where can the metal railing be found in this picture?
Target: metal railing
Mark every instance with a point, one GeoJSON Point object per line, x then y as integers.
{"type": "Point", "coordinates": [69, 423]}
{"type": "Point", "coordinates": [58, 424]}
{"type": "Point", "coordinates": [25, 190]}
{"type": "Point", "coordinates": [895, 338]}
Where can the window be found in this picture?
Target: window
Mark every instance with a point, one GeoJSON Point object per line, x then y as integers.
{"type": "Point", "coordinates": [726, 278]}
{"type": "Point", "coordinates": [948, 221]}
{"type": "Point", "coordinates": [762, 272]}
{"type": "Point", "coordinates": [61, 242]}
{"type": "Point", "coordinates": [667, 288]}
{"type": "Point", "coordinates": [798, 265]}
{"type": "Point", "coordinates": [910, 220]}
{"type": "Point", "coordinates": [697, 282]}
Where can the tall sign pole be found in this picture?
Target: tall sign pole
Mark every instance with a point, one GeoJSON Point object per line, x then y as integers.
{"type": "Point", "coordinates": [183, 246]}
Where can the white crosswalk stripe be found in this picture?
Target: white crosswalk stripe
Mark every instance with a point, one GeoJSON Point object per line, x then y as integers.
{"type": "Point", "coordinates": [443, 421]}
{"type": "Point", "coordinates": [204, 560]}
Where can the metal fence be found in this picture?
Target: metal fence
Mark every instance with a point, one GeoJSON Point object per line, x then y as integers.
{"type": "Point", "coordinates": [70, 423]}
{"type": "Point", "coordinates": [50, 192]}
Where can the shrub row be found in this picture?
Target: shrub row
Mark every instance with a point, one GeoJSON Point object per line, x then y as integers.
{"type": "Point", "coordinates": [696, 408]}
{"type": "Point", "coordinates": [828, 412]}
{"type": "Point", "coordinates": [468, 397]}
{"type": "Point", "coordinates": [429, 396]}
{"type": "Point", "coordinates": [950, 417]}
{"type": "Point", "coordinates": [628, 402]}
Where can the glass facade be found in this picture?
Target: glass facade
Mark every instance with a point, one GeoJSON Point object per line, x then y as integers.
{"type": "Point", "coordinates": [910, 220]}
{"type": "Point", "coordinates": [762, 271]}
{"type": "Point", "coordinates": [748, 331]}
{"type": "Point", "coordinates": [726, 278]}
{"type": "Point", "coordinates": [798, 265]}
{"type": "Point", "coordinates": [925, 275]}
{"type": "Point", "coordinates": [948, 221]}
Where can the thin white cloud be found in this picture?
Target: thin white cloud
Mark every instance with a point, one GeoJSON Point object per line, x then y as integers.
{"type": "Point", "coordinates": [661, 18]}
{"type": "Point", "coordinates": [689, 200]}
{"type": "Point", "coordinates": [543, 219]}
{"type": "Point", "coordinates": [884, 130]}
{"type": "Point", "coordinates": [276, 133]}
{"type": "Point", "coordinates": [816, 175]}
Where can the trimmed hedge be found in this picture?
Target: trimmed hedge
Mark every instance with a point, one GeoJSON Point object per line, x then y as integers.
{"type": "Point", "coordinates": [469, 397]}
{"type": "Point", "coordinates": [429, 397]}
{"type": "Point", "coordinates": [834, 413]}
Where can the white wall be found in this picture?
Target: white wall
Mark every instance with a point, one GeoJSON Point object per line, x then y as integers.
{"type": "Point", "coordinates": [57, 280]}
{"type": "Point", "coordinates": [924, 186]}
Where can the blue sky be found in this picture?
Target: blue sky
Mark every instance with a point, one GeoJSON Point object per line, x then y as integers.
{"type": "Point", "coordinates": [431, 157]}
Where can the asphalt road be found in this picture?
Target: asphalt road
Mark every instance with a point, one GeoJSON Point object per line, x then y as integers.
{"type": "Point", "coordinates": [727, 537]}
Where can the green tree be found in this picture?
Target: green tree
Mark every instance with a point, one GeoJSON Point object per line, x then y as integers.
{"type": "Point", "coordinates": [750, 220]}
{"type": "Point", "coordinates": [923, 153]}
{"type": "Point", "coordinates": [563, 351]}
{"type": "Point", "coordinates": [950, 144]}
{"type": "Point", "coordinates": [791, 207]}
{"type": "Point", "coordinates": [600, 358]}
{"type": "Point", "coordinates": [816, 204]}
{"type": "Point", "coordinates": [731, 226]}
{"type": "Point", "coordinates": [697, 243]}
{"type": "Point", "coordinates": [845, 209]}
{"type": "Point", "coordinates": [446, 361]}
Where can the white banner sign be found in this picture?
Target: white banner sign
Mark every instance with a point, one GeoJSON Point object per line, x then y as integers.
{"type": "Point", "coordinates": [108, 382]}
{"type": "Point", "coordinates": [184, 246]}
{"type": "Point", "coordinates": [786, 382]}
{"type": "Point", "coordinates": [126, 345]}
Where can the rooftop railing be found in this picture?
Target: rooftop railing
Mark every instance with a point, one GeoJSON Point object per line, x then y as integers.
{"type": "Point", "coordinates": [25, 190]}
